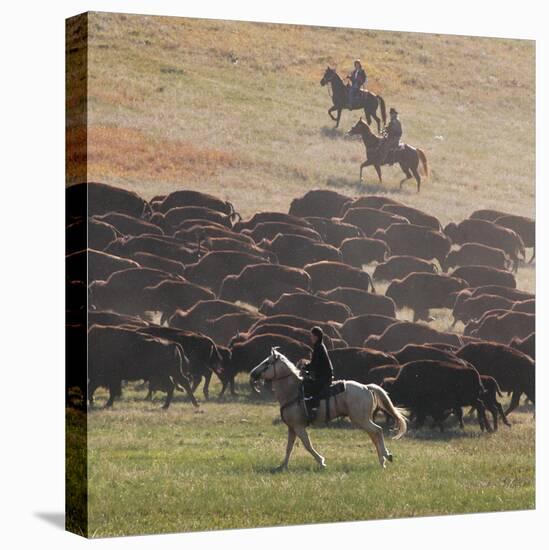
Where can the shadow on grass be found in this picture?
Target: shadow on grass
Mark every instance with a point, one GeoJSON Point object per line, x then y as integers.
{"type": "Point", "coordinates": [364, 187]}
{"type": "Point", "coordinates": [332, 133]}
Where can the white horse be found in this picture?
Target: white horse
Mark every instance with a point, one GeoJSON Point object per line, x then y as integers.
{"type": "Point", "coordinates": [357, 401]}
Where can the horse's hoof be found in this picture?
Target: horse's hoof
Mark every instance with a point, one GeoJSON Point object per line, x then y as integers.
{"type": "Point", "coordinates": [279, 469]}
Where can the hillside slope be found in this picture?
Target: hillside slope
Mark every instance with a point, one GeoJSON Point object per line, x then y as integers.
{"type": "Point", "coordinates": [236, 109]}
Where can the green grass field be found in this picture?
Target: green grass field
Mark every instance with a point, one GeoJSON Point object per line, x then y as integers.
{"type": "Point", "coordinates": [169, 108]}
{"type": "Point", "coordinates": [153, 471]}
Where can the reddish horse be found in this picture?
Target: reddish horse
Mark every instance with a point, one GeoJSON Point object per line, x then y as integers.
{"type": "Point", "coordinates": [407, 156]}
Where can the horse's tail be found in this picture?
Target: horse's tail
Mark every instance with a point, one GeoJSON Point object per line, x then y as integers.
{"type": "Point", "coordinates": [383, 110]}
{"type": "Point", "coordinates": [423, 160]}
{"type": "Point", "coordinates": [384, 402]}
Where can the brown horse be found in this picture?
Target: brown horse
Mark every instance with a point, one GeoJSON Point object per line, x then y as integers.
{"type": "Point", "coordinates": [407, 156]}
{"type": "Point", "coordinates": [340, 99]}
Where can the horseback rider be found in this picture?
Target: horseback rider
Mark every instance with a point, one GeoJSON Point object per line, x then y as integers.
{"type": "Point", "coordinates": [318, 374]}
{"type": "Point", "coordinates": [391, 137]}
{"type": "Point", "coordinates": [358, 79]}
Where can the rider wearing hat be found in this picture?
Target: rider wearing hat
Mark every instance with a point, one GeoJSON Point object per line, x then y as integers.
{"type": "Point", "coordinates": [391, 136]}
{"type": "Point", "coordinates": [318, 373]}
{"type": "Point", "coordinates": [358, 79]}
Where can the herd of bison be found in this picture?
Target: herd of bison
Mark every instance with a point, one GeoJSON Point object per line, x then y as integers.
{"type": "Point", "coordinates": [179, 289]}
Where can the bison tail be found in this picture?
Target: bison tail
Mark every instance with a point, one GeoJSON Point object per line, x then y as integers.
{"type": "Point", "coordinates": [423, 160]}
{"type": "Point", "coordinates": [371, 283]}
{"type": "Point", "coordinates": [385, 403]}
{"type": "Point", "coordinates": [498, 389]}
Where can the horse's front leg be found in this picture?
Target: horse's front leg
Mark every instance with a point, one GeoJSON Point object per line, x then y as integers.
{"type": "Point", "coordinates": [378, 170]}
{"type": "Point", "coordinates": [304, 436]}
{"type": "Point", "coordinates": [362, 166]}
{"type": "Point", "coordinates": [289, 449]}
{"type": "Point", "coordinates": [330, 111]}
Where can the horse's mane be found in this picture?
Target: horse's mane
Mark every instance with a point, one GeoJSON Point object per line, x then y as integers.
{"type": "Point", "coordinates": [293, 369]}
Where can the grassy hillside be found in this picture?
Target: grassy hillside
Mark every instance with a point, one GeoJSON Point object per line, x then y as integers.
{"type": "Point", "coordinates": [153, 471]}
{"type": "Point", "coordinates": [237, 109]}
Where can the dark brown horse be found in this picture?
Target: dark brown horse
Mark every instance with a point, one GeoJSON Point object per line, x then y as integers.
{"type": "Point", "coordinates": [407, 156]}
{"type": "Point", "coordinates": [364, 100]}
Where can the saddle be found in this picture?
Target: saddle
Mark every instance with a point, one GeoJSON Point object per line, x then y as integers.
{"type": "Point", "coordinates": [311, 404]}
{"type": "Point", "coordinates": [336, 388]}
{"type": "Point", "coordinates": [392, 154]}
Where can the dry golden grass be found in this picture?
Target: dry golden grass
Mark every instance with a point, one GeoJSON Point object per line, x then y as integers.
{"type": "Point", "coordinates": [468, 102]}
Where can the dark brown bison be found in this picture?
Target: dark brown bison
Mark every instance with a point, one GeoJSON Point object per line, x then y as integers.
{"type": "Point", "coordinates": [473, 325]}
{"type": "Point", "coordinates": [95, 199]}
{"type": "Point", "coordinates": [526, 306]}
{"type": "Point", "coordinates": [487, 214]}
{"type": "Point", "coordinates": [116, 355]}
{"type": "Point", "coordinates": [109, 318]}
{"type": "Point", "coordinates": [361, 251]}
{"type": "Point", "coordinates": [476, 254]}
{"type": "Point", "coordinates": [202, 352]}
{"type": "Point", "coordinates": [212, 268]}
{"type": "Point", "coordinates": [497, 290]}
{"type": "Point", "coordinates": [176, 216]}
{"type": "Point", "coordinates": [435, 388]}
{"type": "Point", "coordinates": [299, 322]}
{"type": "Point", "coordinates": [91, 234]}
{"type": "Point", "coordinates": [502, 328]}
{"type": "Point", "coordinates": [355, 363]}
{"type": "Point", "coordinates": [197, 316]}
{"type": "Point", "coordinates": [246, 355]}
{"type": "Point", "coordinates": [377, 375]}
{"type": "Point", "coordinates": [257, 283]}
{"type": "Point", "coordinates": [514, 370]}
{"type": "Point", "coordinates": [333, 231]}
{"type": "Point", "coordinates": [237, 245]}
{"type": "Point", "coordinates": [269, 230]}
{"type": "Point", "coordinates": [298, 251]}
{"type": "Point", "coordinates": [476, 307]}
{"type": "Point", "coordinates": [122, 291]}
{"type": "Point", "coordinates": [488, 233]}
{"type": "Point", "coordinates": [223, 328]}
{"type": "Point", "coordinates": [481, 275]}
{"type": "Point", "coordinates": [418, 352]}
{"type": "Point", "coordinates": [423, 291]}
{"type": "Point", "coordinates": [406, 239]}
{"type": "Point", "coordinates": [527, 345]}
{"type": "Point", "coordinates": [370, 220]}
{"type": "Point", "coordinates": [95, 265]}
{"type": "Point", "coordinates": [355, 330]}
{"type": "Point", "coordinates": [145, 259]}
{"type": "Point", "coordinates": [330, 275]}
{"type": "Point", "coordinates": [397, 335]}
{"type": "Point", "coordinates": [398, 267]}
{"type": "Point", "coordinates": [202, 231]}
{"type": "Point", "coordinates": [129, 225]}
{"type": "Point", "coordinates": [413, 215]}
{"type": "Point", "coordinates": [306, 305]}
{"type": "Point", "coordinates": [154, 244]}
{"type": "Point", "coordinates": [262, 217]}
{"type": "Point", "coordinates": [318, 202]}
{"type": "Point", "coordinates": [300, 334]}
{"type": "Point", "coordinates": [522, 226]}
{"type": "Point", "coordinates": [188, 197]}
{"type": "Point", "coordinates": [369, 201]}
{"type": "Point", "coordinates": [360, 301]}
{"type": "Point", "coordinates": [169, 296]}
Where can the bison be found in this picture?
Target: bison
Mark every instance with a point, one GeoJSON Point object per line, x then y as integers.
{"type": "Point", "coordinates": [476, 254]}
{"type": "Point", "coordinates": [129, 225]}
{"type": "Point", "coordinates": [329, 275]}
{"type": "Point", "coordinates": [355, 330]}
{"type": "Point", "coordinates": [359, 251]}
{"type": "Point", "coordinates": [187, 197]}
{"type": "Point", "coordinates": [116, 354]}
{"type": "Point", "coordinates": [302, 304]}
{"type": "Point", "coordinates": [360, 301]}
{"type": "Point", "coordinates": [318, 202]}
{"type": "Point", "coordinates": [413, 215]}
{"type": "Point", "coordinates": [355, 363]}
{"type": "Point", "coordinates": [369, 220]}
{"type": "Point", "coordinates": [398, 267]}
{"type": "Point", "coordinates": [481, 275]}
{"type": "Point", "coordinates": [423, 291]}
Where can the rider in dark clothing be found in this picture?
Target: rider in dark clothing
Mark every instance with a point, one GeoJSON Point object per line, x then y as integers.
{"type": "Point", "coordinates": [358, 79]}
{"type": "Point", "coordinates": [392, 135]}
{"type": "Point", "coordinates": [318, 373]}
